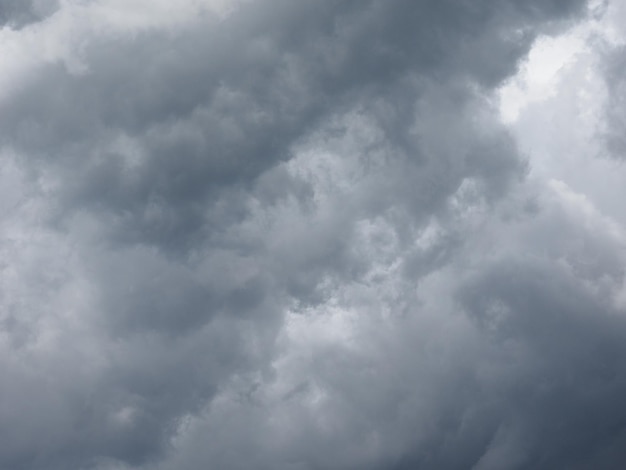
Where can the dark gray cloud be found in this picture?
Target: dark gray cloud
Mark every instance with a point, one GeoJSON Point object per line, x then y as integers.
{"type": "Point", "coordinates": [18, 13]}
{"type": "Point", "coordinates": [205, 116]}
{"type": "Point", "coordinates": [295, 236]}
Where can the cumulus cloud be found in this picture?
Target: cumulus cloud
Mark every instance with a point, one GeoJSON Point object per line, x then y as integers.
{"type": "Point", "coordinates": [280, 235]}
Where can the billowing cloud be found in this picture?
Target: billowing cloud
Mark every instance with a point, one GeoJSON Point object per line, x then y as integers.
{"type": "Point", "coordinates": [279, 235]}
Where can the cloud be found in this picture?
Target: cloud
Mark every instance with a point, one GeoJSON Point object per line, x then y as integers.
{"type": "Point", "coordinates": [17, 13]}
{"type": "Point", "coordinates": [512, 361]}
{"type": "Point", "coordinates": [609, 52]}
{"type": "Point", "coordinates": [615, 64]}
{"type": "Point", "coordinates": [287, 235]}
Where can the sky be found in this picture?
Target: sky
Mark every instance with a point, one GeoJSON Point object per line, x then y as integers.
{"type": "Point", "coordinates": [314, 235]}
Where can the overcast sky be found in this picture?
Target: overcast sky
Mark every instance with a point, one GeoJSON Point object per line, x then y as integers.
{"type": "Point", "coordinates": [312, 235]}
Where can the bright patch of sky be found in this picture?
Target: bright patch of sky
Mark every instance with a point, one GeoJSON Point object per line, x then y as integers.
{"type": "Point", "coordinates": [555, 105]}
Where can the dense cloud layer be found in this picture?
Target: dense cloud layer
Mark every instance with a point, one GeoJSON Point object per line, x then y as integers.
{"type": "Point", "coordinates": [287, 235]}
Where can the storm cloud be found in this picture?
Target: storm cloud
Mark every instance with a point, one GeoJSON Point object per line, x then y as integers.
{"type": "Point", "coordinates": [295, 235]}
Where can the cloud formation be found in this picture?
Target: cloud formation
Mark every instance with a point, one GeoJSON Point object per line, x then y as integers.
{"type": "Point", "coordinates": [18, 13]}
{"type": "Point", "coordinates": [615, 119]}
{"type": "Point", "coordinates": [279, 235]}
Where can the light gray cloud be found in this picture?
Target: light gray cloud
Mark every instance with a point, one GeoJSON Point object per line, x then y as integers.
{"type": "Point", "coordinates": [615, 66]}
{"type": "Point", "coordinates": [611, 54]}
{"type": "Point", "coordinates": [295, 236]}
